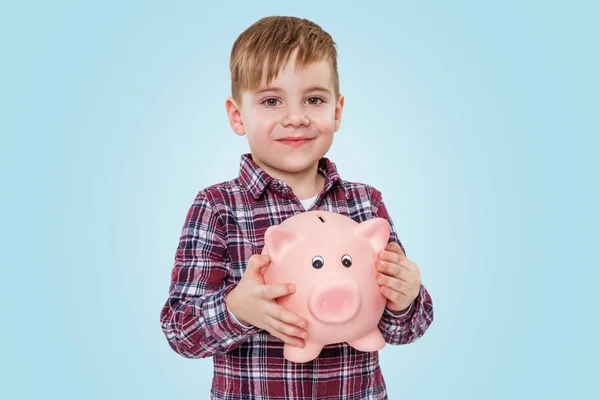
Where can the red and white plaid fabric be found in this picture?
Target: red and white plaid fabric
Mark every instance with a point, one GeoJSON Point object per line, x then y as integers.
{"type": "Point", "coordinates": [223, 228]}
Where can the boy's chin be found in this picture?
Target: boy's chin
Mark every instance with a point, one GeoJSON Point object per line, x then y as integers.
{"type": "Point", "coordinates": [291, 165]}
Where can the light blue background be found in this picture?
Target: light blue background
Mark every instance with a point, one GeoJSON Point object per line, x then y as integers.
{"type": "Point", "coordinates": [477, 120]}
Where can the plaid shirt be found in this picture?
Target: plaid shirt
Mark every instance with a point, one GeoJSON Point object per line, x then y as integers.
{"type": "Point", "coordinates": [223, 228]}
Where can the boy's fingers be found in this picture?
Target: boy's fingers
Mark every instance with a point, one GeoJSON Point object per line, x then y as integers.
{"type": "Point", "coordinates": [282, 314]}
{"type": "Point", "coordinates": [288, 329]}
{"type": "Point", "coordinates": [391, 294]}
{"type": "Point", "coordinates": [397, 285]}
{"type": "Point", "coordinates": [274, 291]}
{"type": "Point", "coordinates": [389, 268]}
{"type": "Point", "coordinates": [392, 257]}
{"type": "Point", "coordinates": [395, 247]}
{"type": "Point", "coordinates": [294, 341]}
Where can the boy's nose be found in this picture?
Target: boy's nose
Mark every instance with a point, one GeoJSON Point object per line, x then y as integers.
{"type": "Point", "coordinates": [295, 118]}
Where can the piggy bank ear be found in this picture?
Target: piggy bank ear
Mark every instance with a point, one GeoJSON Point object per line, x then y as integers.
{"type": "Point", "coordinates": [376, 231]}
{"type": "Point", "coordinates": [278, 238]}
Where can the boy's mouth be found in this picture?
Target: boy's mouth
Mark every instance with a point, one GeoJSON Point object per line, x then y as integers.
{"type": "Point", "coordinates": [295, 142]}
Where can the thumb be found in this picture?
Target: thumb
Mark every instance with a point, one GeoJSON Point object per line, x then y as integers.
{"type": "Point", "coordinates": [256, 263]}
{"type": "Point", "coordinates": [396, 248]}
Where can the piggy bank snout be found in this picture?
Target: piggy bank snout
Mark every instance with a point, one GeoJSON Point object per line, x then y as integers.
{"type": "Point", "coordinates": [334, 303]}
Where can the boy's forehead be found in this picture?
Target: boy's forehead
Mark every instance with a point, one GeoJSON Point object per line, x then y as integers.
{"type": "Point", "coordinates": [316, 74]}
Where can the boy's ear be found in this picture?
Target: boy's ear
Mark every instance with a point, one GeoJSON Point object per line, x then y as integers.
{"type": "Point", "coordinates": [235, 118]}
{"type": "Point", "coordinates": [338, 112]}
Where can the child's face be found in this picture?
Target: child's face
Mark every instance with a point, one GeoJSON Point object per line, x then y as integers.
{"type": "Point", "coordinates": [297, 104]}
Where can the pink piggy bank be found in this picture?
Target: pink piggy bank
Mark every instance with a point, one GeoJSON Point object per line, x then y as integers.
{"type": "Point", "coordinates": [331, 260]}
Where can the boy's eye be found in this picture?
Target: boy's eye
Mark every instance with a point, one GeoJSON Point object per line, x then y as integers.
{"type": "Point", "coordinates": [270, 102]}
{"type": "Point", "coordinates": [315, 100]}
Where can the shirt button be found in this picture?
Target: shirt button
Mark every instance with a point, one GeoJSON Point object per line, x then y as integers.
{"type": "Point", "coordinates": [298, 212]}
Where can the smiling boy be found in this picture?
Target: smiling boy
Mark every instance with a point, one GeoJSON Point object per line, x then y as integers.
{"type": "Point", "coordinates": [286, 100]}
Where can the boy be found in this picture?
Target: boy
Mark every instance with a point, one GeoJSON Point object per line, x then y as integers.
{"type": "Point", "coordinates": [286, 100]}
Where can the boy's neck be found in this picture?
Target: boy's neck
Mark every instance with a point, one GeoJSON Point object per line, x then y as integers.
{"type": "Point", "coordinates": [305, 184]}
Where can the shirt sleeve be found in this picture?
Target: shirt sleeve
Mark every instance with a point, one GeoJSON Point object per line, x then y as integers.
{"type": "Point", "coordinates": [410, 326]}
{"type": "Point", "coordinates": [195, 318]}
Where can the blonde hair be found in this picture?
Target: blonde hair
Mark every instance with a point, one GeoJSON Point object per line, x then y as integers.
{"type": "Point", "coordinates": [266, 46]}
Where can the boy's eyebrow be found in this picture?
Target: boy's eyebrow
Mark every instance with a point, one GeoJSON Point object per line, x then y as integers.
{"type": "Point", "coordinates": [279, 90]}
{"type": "Point", "coordinates": [268, 89]}
{"type": "Point", "coordinates": [318, 89]}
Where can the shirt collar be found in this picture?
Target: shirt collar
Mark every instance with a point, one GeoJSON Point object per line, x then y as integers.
{"type": "Point", "coordinates": [256, 179]}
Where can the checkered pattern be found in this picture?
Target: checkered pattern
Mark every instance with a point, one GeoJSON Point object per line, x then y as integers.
{"type": "Point", "coordinates": [223, 228]}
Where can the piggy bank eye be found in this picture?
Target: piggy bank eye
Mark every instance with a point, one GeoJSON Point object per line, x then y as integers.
{"type": "Point", "coordinates": [317, 262]}
{"type": "Point", "coordinates": [346, 260]}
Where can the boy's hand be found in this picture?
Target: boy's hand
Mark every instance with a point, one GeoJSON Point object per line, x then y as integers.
{"type": "Point", "coordinates": [253, 302]}
{"type": "Point", "coordinates": [398, 277]}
